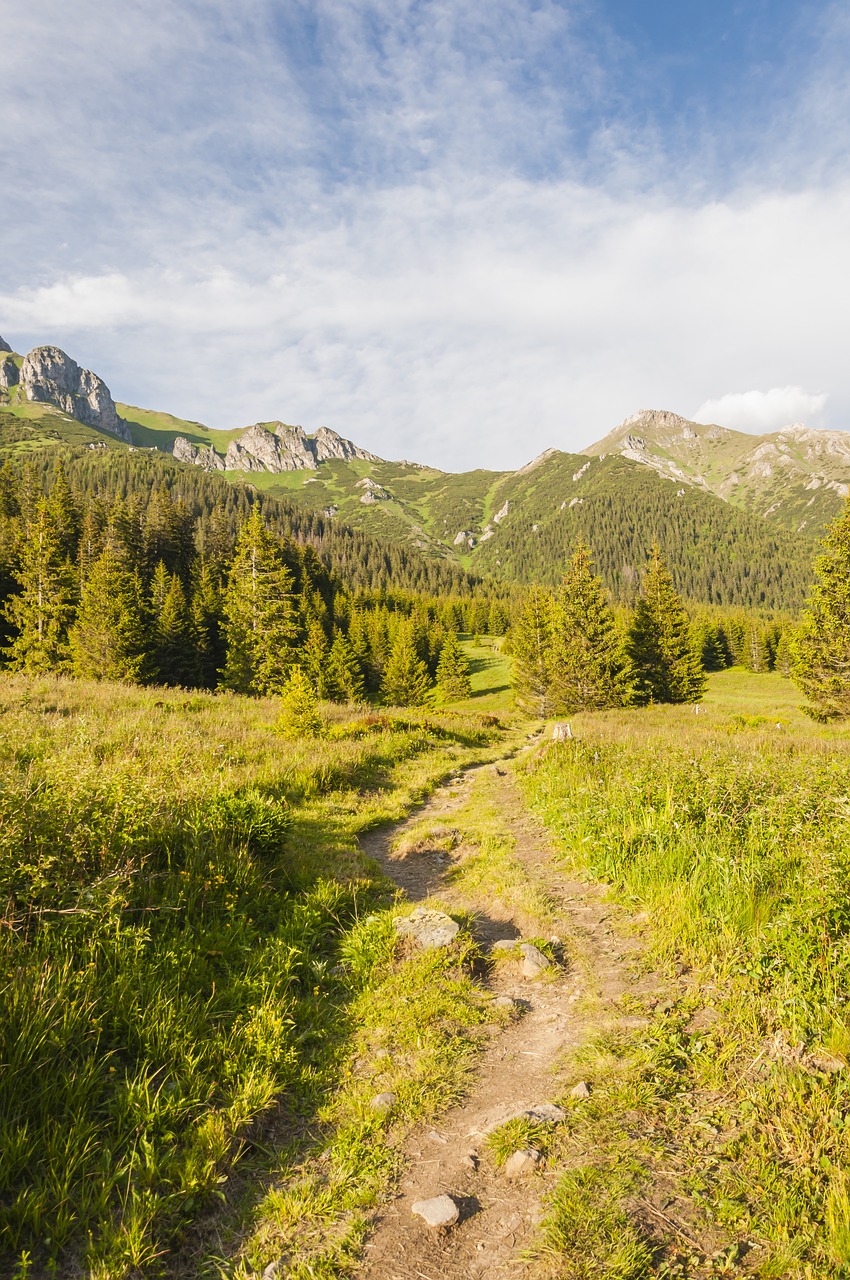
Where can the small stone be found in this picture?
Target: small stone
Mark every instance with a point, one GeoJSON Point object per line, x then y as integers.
{"type": "Point", "coordinates": [533, 961]}
{"type": "Point", "coordinates": [438, 1137]}
{"type": "Point", "coordinates": [505, 1002]}
{"type": "Point", "coordinates": [521, 1163]}
{"type": "Point", "coordinates": [428, 929]}
{"type": "Point", "coordinates": [383, 1103]}
{"type": "Point", "coordinates": [580, 1090]}
{"type": "Point", "coordinates": [505, 944]}
{"type": "Point", "coordinates": [544, 1113]}
{"type": "Point", "coordinates": [439, 1211]}
{"type": "Point", "coordinates": [470, 1162]}
{"type": "Point", "coordinates": [822, 1060]}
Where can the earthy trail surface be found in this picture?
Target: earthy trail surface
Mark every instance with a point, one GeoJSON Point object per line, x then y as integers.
{"type": "Point", "coordinates": [524, 1064]}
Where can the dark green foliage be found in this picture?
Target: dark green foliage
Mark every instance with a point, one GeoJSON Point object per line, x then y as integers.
{"type": "Point", "coordinates": [717, 553]}
{"type": "Point", "coordinates": [531, 641]}
{"type": "Point", "coordinates": [588, 668]}
{"type": "Point", "coordinates": [821, 647]}
{"type": "Point", "coordinates": [43, 607]}
{"type": "Point", "coordinates": [176, 651]}
{"type": "Point", "coordinates": [344, 677]}
{"type": "Point", "coordinates": [109, 639]}
{"type": "Point", "coordinates": [666, 666]}
{"type": "Point", "coordinates": [259, 613]}
{"type": "Point", "coordinates": [453, 682]}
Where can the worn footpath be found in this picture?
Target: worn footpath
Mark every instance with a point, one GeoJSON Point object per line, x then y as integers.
{"type": "Point", "coordinates": [525, 1068]}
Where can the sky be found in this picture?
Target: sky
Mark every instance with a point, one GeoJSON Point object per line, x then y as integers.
{"type": "Point", "coordinates": [453, 231]}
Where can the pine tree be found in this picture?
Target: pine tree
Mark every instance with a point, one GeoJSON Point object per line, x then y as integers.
{"type": "Point", "coordinates": [344, 678]}
{"type": "Point", "coordinates": [44, 608]}
{"type": "Point", "coordinates": [64, 514]}
{"type": "Point", "coordinates": [530, 642]}
{"type": "Point", "coordinates": [589, 670]}
{"type": "Point", "coordinates": [206, 606]}
{"type": "Point", "coordinates": [453, 682]}
{"type": "Point", "coordinates": [299, 716]}
{"type": "Point", "coordinates": [666, 666]}
{"type": "Point", "coordinates": [313, 657]}
{"type": "Point", "coordinates": [259, 614]}
{"type": "Point", "coordinates": [175, 651]}
{"type": "Point", "coordinates": [820, 651]}
{"type": "Point", "coordinates": [109, 638]}
{"type": "Point", "coordinates": [406, 679]}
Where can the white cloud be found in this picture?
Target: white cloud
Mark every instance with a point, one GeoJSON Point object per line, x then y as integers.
{"type": "Point", "coordinates": [761, 411]}
{"type": "Point", "coordinates": [390, 228]}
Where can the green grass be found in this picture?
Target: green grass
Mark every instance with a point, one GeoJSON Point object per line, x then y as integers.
{"type": "Point", "coordinates": [190, 940]}
{"type": "Point", "coordinates": [732, 835]}
{"type": "Point", "coordinates": [151, 429]}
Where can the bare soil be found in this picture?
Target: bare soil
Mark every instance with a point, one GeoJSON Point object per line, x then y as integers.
{"type": "Point", "coordinates": [523, 1064]}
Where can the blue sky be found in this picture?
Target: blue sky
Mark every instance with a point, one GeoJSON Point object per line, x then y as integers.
{"type": "Point", "coordinates": [454, 231]}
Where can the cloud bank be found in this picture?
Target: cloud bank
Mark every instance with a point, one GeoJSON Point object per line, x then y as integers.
{"type": "Point", "coordinates": [760, 411]}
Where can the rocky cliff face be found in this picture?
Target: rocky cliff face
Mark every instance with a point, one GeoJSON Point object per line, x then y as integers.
{"type": "Point", "coordinates": [273, 447]}
{"type": "Point", "coordinates": [49, 376]}
{"type": "Point", "coordinates": [8, 373]}
{"type": "Point", "coordinates": [4, 346]}
{"type": "Point", "coordinates": [203, 455]}
{"type": "Point", "coordinates": [280, 449]}
{"type": "Point", "coordinates": [326, 444]}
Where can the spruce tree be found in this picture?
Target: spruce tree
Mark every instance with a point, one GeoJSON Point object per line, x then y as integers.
{"type": "Point", "coordinates": [206, 605]}
{"type": "Point", "coordinates": [344, 677]}
{"type": "Point", "coordinates": [313, 657]}
{"type": "Point", "coordinates": [405, 681]}
{"type": "Point", "coordinates": [43, 610]}
{"type": "Point", "coordinates": [109, 638]}
{"type": "Point", "coordinates": [531, 641]}
{"type": "Point", "coordinates": [453, 682]}
{"type": "Point", "coordinates": [820, 650]}
{"type": "Point", "coordinates": [666, 666]}
{"type": "Point", "coordinates": [589, 670]}
{"type": "Point", "coordinates": [175, 651]}
{"type": "Point", "coordinates": [259, 614]}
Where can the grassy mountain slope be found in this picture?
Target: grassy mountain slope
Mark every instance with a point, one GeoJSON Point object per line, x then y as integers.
{"type": "Point", "coordinates": [796, 477]}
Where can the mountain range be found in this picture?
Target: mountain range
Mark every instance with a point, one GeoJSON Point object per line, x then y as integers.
{"type": "Point", "coordinates": [738, 514]}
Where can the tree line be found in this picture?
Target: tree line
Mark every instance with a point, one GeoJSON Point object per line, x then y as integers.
{"type": "Point", "coordinates": [142, 587]}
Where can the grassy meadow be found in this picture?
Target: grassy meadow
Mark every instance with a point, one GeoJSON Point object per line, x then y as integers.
{"type": "Point", "coordinates": [727, 832]}
{"type": "Point", "coordinates": [191, 939]}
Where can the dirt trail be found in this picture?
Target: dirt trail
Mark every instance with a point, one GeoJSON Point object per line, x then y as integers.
{"type": "Point", "coordinates": [521, 1065]}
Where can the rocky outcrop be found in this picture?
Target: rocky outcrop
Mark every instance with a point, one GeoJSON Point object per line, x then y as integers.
{"type": "Point", "coordinates": [280, 449]}
{"type": "Point", "coordinates": [372, 492]}
{"type": "Point", "coordinates": [203, 455]}
{"type": "Point", "coordinates": [259, 449]}
{"type": "Point", "coordinates": [326, 444]}
{"type": "Point", "coordinates": [4, 346]}
{"type": "Point", "coordinates": [9, 375]}
{"type": "Point", "coordinates": [49, 376]}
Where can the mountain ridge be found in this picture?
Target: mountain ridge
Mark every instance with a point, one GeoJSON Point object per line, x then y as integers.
{"type": "Point", "coordinates": [657, 476]}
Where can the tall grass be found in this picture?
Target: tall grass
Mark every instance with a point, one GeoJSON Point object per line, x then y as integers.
{"type": "Point", "coordinates": [737, 843]}
{"type": "Point", "coordinates": [177, 881]}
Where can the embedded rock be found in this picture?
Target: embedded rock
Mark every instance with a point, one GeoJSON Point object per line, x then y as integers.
{"type": "Point", "coordinates": [327, 444]}
{"type": "Point", "coordinates": [383, 1103]}
{"type": "Point", "coordinates": [9, 375]}
{"type": "Point", "coordinates": [580, 1090]}
{"type": "Point", "coordinates": [49, 376]}
{"type": "Point", "coordinates": [203, 455]}
{"type": "Point", "coordinates": [502, 512]}
{"type": "Point", "coordinates": [428, 929]}
{"type": "Point", "coordinates": [522, 1162]}
{"type": "Point", "coordinates": [438, 1212]}
{"type": "Point", "coordinates": [373, 492]}
{"type": "Point", "coordinates": [533, 961]}
{"type": "Point", "coordinates": [505, 944]}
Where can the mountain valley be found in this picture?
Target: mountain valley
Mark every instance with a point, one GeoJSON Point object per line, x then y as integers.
{"type": "Point", "coordinates": [737, 515]}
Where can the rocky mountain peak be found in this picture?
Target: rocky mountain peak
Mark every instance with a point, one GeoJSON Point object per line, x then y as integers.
{"type": "Point", "coordinates": [273, 447]}
{"type": "Point", "coordinates": [49, 376]}
{"type": "Point", "coordinates": [4, 346]}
